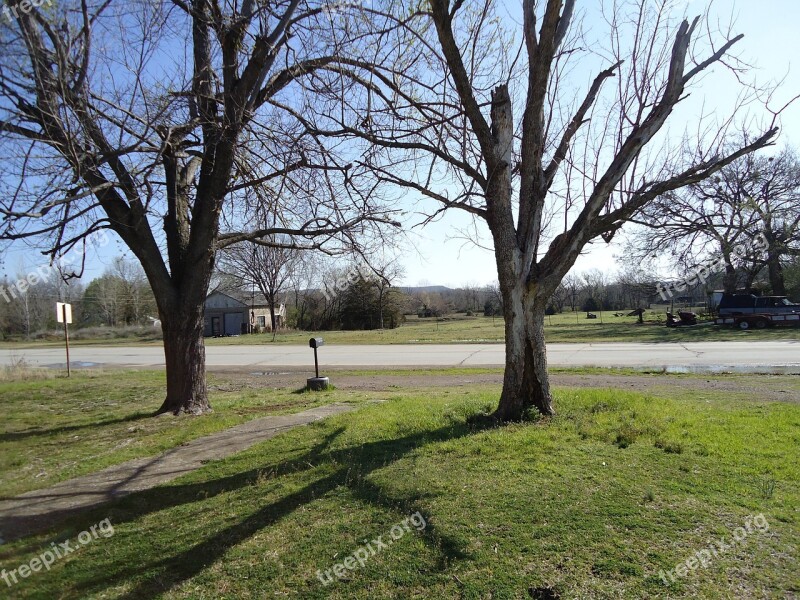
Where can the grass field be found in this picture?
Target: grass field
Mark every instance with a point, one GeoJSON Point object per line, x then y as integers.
{"type": "Point", "coordinates": [483, 330]}
{"type": "Point", "coordinates": [592, 503]}
{"type": "Point", "coordinates": [486, 330]}
{"type": "Point", "coordinates": [57, 428]}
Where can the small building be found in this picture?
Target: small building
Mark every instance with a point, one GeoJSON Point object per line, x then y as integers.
{"type": "Point", "coordinates": [235, 314]}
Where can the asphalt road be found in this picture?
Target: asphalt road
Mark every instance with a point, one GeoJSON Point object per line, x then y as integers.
{"type": "Point", "coordinates": [780, 356]}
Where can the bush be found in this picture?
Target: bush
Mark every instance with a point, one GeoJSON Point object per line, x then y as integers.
{"type": "Point", "coordinates": [490, 309]}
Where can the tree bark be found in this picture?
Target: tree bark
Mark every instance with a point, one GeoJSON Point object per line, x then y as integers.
{"type": "Point", "coordinates": [525, 382]}
{"type": "Point", "coordinates": [776, 278]}
{"type": "Point", "coordinates": [380, 304]}
{"type": "Point", "coordinates": [730, 279]}
{"type": "Point", "coordinates": [536, 384]}
{"type": "Point", "coordinates": [512, 405]}
{"type": "Point", "coordinates": [185, 354]}
{"type": "Point", "coordinates": [273, 318]}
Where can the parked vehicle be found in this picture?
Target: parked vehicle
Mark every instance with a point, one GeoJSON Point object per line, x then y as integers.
{"type": "Point", "coordinates": [747, 311]}
{"type": "Point", "coordinates": [685, 318]}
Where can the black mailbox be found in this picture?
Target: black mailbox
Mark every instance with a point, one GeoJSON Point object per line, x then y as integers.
{"type": "Point", "coordinates": [318, 383]}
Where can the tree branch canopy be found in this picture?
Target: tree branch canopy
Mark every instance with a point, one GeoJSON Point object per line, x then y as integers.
{"type": "Point", "coordinates": [169, 153]}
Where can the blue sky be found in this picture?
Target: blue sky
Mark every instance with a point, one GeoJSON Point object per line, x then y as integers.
{"type": "Point", "coordinates": [436, 255]}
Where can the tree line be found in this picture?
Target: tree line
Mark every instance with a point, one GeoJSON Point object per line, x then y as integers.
{"type": "Point", "coordinates": [120, 297]}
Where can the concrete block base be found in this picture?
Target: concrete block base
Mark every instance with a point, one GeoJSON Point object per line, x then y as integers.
{"type": "Point", "coordinates": [318, 384]}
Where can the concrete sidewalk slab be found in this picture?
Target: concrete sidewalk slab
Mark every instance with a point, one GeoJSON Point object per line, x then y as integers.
{"type": "Point", "coordinates": [39, 509]}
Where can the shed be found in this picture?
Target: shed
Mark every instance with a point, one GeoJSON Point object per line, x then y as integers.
{"type": "Point", "coordinates": [224, 315]}
{"type": "Point", "coordinates": [227, 314]}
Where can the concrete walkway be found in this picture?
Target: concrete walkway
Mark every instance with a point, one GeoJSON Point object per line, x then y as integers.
{"type": "Point", "coordinates": [38, 510]}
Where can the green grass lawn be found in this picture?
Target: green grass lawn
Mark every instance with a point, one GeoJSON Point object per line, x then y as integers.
{"type": "Point", "coordinates": [460, 329]}
{"type": "Point", "coordinates": [57, 428]}
{"type": "Point", "coordinates": [592, 503]}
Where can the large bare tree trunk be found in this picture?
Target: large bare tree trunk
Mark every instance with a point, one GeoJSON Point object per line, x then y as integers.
{"type": "Point", "coordinates": [536, 385]}
{"type": "Point", "coordinates": [730, 279]}
{"type": "Point", "coordinates": [181, 306]}
{"type": "Point", "coordinates": [525, 382]}
{"type": "Point", "coordinates": [774, 267]}
{"type": "Point", "coordinates": [272, 316]}
{"type": "Point", "coordinates": [185, 354]}
{"type": "Point", "coordinates": [512, 400]}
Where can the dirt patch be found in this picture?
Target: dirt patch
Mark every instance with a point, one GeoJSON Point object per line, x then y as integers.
{"type": "Point", "coordinates": [770, 388]}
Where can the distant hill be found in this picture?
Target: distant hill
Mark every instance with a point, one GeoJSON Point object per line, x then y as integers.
{"type": "Point", "coordinates": [425, 288]}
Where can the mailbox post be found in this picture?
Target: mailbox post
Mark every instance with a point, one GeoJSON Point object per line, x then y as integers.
{"type": "Point", "coordinates": [317, 383]}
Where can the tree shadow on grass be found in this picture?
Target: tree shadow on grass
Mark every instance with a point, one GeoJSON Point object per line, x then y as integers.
{"type": "Point", "coordinates": [356, 463]}
{"type": "Point", "coordinates": [12, 436]}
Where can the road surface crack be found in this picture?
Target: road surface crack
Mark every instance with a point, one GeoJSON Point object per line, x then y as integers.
{"type": "Point", "coordinates": [697, 353]}
{"type": "Point", "coordinates": [461, 364]}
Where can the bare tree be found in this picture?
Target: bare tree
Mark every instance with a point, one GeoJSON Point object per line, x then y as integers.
{"type": "Point", "coordinates": [386, 271]}
{"type": "Point", "coordinates": [168, 123]}
{"type": "Point", "coordinates": [267, 267]}
{"type": "Point", "coordinates": [494, 298]}
{"type": "Point", "coordinates": [572, 287]}
{"type": "Point", "coordinates": [138, 297]}
{"type": "Point", "coordinates": [547, 167]}
{"type": "Point", "coordinates": [772, 194]}
{"type": "Point", "coordinates": [595, 284]}
{"type": "Point", "coordinates": [753, 196]}
{"type": "Point", "coordinates": [559, 298]}
{"type": "Point", "coordinates": [635, 287]}
{"type": "Point", "coordinates": [106, 295]}
{"type": "Point", "coordinates": [302, 278]}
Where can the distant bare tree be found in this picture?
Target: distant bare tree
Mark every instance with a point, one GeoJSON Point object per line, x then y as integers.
{"type": "Point", "coordinates": [595, 283]}
{"type": "Point", "coordinates": [754, 196]}
{"type": "Point", "coordinates": [572, 286]}
{"type": "Point", "coordinates": [302, 279]}
{"type": "Point", "coordinates": [559, 298]}
{"type": "Point", "coordinates": [387, 271]}
{"type": "Point", "coordinates": [636, 286]}
{"type": "Point", "coordinates": [139, 299]}
{"type": "Point", "coordinates": [267, 267]}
